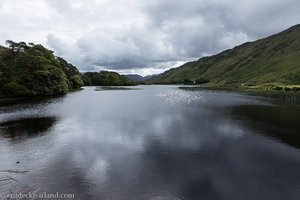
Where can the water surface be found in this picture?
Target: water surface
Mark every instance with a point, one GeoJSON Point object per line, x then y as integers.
{"type": "Point", "coordinates": [151, 142]}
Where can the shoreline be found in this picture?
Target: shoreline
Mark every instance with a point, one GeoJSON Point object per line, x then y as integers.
{"type": "Point", "coordinates": [283, 97]}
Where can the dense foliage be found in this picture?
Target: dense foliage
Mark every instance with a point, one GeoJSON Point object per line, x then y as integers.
{"type": "Point", "coordinates": [275, 60]}
{"type": "Point", "coordinates": [29, 70]}
{"type": "Point", "coordinates": [105, 78]}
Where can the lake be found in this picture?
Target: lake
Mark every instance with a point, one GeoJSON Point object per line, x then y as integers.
{"type": "Point", "coordinates": [151, 142]}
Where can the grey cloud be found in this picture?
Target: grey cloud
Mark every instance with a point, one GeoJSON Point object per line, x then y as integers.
{"type": "Point", "coordinates": [119, 47]}
{"type": "Point", "coordinates": [142, 35]}
{"type": "Point", "coordinates": [221, 24]}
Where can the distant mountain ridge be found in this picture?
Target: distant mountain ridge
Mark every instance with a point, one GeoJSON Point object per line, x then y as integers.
{"type": "Point", "coordinates": [136, 77]}
{"type": "Point", "coordinates": [275, 59]}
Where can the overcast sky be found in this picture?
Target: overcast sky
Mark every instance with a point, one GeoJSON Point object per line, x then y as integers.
{"type": "Point", "coordinates": [142, 36]}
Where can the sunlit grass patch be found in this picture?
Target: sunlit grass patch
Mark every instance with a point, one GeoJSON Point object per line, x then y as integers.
{"type": "Point", "coordinates": [273, 86]}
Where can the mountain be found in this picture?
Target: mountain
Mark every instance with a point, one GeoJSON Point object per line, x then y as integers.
{"type": "Point", "coordinates": [136, 77]}
{"type": "Point", "coordinates": [275, 59]}
{"type": "Point", "coordinates": [149, 77]}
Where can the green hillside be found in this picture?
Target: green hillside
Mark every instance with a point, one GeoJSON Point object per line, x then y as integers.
{"type": "Point", "coordinates": [274, 60]}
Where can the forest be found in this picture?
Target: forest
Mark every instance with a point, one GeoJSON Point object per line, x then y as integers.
{"type": "Point", "coordinates": [33, 70]}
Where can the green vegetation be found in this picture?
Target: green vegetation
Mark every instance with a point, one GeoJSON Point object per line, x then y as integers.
{"type": "Point", "coordinates": [270, 63]}
{"type": "Point", "coordinates": [105, 78]}
{"type": "Point", "coordinates": [33, 70]}
{"type": "Point", "coordinates": [273, 86]}
{"type": "Point", "coordinates": [282, 97]}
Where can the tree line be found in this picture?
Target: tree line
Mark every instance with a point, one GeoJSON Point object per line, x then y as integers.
{"type": "Point", "coordinates": [33, 70]}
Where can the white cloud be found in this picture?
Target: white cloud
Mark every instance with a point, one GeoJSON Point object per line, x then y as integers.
{"type": "Point", "coordinates": [140, 36]}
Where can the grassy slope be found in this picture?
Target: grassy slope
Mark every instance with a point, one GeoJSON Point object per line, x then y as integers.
{"type": "Point", "coordinates": [275, 59]}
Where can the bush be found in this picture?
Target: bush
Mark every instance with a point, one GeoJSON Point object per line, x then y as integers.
{"type": "Point", "coordinates": [201, 80]}
{"type": "Point", "coordinates": [277, 87]}
{"type": "Point", "coordinates": [295, 88]}
{"type": "Point", "coordinates": [14, 89]}
{"type": "Point", "coordinates": [287, 89]}
{"type": "Point", "coordinates": [76, 81]}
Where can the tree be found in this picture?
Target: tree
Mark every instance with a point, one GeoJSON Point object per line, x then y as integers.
{"type": "Point", "coordinates": [27, 70]}
{"type": "Point", "coordinates": [106, 78]}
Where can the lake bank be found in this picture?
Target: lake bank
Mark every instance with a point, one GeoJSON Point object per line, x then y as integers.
{"type": "Point", "coordinates": [292, 97]}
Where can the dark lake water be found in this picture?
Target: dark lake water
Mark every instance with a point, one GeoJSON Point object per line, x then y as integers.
{"type": "Point", "coordinates": [151, 142]}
